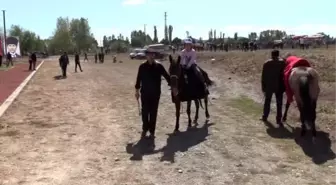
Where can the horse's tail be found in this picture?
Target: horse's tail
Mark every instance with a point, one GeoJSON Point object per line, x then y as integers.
{"type": "Point", "coordinates": [304, 83]}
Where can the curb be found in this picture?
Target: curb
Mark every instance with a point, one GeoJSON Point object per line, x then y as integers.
{"type": "Point", "coordinates": [5, 105]}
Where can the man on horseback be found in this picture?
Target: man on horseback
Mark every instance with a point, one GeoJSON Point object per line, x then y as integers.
{"type": "Point", "coordinates": [188, 56]}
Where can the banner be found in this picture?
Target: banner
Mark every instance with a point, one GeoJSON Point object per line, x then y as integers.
{"type": "Point", "coordinates": [13, 46]}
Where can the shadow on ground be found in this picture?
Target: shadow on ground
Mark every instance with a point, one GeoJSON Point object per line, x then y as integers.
{"type": "Point", "coordinates": [182, 141]}
{"type": "Point", "coordinates": [320, 151]}
{"type": "Point", "coordinates": [145, 146]}
{"type": "Point", "coordinates": [59, 77]}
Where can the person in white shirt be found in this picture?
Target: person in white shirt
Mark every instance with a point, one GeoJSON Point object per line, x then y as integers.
{"type": "Point", "coordinates": [188, 60]}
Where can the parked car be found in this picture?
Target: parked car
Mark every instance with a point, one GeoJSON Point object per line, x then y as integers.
{"type": "Point", "coordinates": [137, 53]}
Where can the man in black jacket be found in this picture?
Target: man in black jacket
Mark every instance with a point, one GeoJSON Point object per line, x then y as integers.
{"type": "Point", "coordinates": [64, 61]}
{"type": "Point", "coordinates": [272, 82]}
{"type": "Point", "coordinates": [32, 62]}
{"type": "Point", "coordinates": [148, 82]}
{"type": "Point", "coordinates": [77, 63]}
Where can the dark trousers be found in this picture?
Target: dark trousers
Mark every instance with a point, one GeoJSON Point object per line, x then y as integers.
{"type": "Point", "coordinates": [64, 70]}
{"type": "Point", "coordinates": [32, 65]}
{"type": "Point", "coordinates": [77, 64]}
{"type": "Point", "coordinates": [9, 61]}
{"type": "Point", "coordinates": [267, 104]}
{"type": "Point", "coordinates": [150, 105]}
{"type": "Point", "coordinates": [0, 60]}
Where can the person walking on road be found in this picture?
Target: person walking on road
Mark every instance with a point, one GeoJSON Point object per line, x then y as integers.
{"type": "Point", "coordinates": [77, 63]}
{"type": "Point", "coordinates": [64, 62]}
{"type": "Point", "coordinates": [32, 62]}
{"type": "Point", "coordinates": [272, 83]}
{"type": "Point", "coordinates": [85, 57]}
{"type": "Point", "coordinates": [148, 83]}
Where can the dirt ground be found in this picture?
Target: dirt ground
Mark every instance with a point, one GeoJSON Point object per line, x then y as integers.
{"type": "Point", "coordinates": [85, 130]}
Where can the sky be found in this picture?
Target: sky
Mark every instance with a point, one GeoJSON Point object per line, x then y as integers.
{"type": "Point", "coordinates": [107, 17]}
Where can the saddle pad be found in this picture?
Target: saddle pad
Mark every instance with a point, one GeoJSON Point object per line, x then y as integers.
{"type": "Point", "coordinates": [292, 62]}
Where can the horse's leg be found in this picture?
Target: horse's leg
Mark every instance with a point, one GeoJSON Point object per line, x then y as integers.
{"type": "Point", "coordinates": [177, 108]}
{"type": "Point", "coordinates": [188, 113]}
{"type": "Point", "coordinates": [284, 118]}
{"type": "Point", "coordinates": [313, 119]}
{"type": "Point", "coordinates": [197, 110]}
{"type": "Point", "coordinates": [207, 115]}
{"type": "Point", "coordinates": [303, 126]}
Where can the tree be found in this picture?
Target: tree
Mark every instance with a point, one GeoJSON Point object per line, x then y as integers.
{"type": "Point", "coordinates": [235, 36]}
{"type": "Point", "coordinates": [138, 38]}
{"type": "Point", "coordinates": [253, 36]}
{"type": "Point", "coordinates": [214, 34]}
{"type": "Point", "coordinates": [271, 35]}
{"type": "Point", "coordinates": [170, 33]}
{"type": "Point", "coordinates": [176, 41]}
{"type": "Point", "coordinates": [155, 39]}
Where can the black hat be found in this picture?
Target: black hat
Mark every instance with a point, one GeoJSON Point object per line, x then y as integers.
{"type": "Point", "coordinates": [12, 40]}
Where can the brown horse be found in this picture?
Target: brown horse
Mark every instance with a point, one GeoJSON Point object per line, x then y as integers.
{"type": "Point", "coordinates": [304, 83]}
{"type": "Point", "coordinates": [180, 91]}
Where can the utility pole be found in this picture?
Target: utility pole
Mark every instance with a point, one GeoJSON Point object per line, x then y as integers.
{"type": "Point", "coordinates": [165, 29]}
{"type": "Point", "coordinates": [145, 34]}
{"type": "Point", "coordinates": [4, 25]}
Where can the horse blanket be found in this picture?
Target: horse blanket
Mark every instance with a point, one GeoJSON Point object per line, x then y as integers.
{"type": "Point", "coordinates": [292, 62]}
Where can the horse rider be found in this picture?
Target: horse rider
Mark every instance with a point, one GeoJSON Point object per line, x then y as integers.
{"type": "Point", "coordinates": [77, 63]}
{"type": "Point", "coordinates": [148, 83]}
{"type": "Point", "coordinates": [188, 56]}
{"type": "Point", "coordinates": [272, 83]}
{"type": "Point", "coordinates": [64, 62]}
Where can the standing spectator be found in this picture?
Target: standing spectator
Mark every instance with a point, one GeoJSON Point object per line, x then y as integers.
{"type": "Point", "coordinates": [9, 59]}
{"type": "Point", "coordinates": [64, 62]}
{"type": "Point", "coordinates": [32, 61]}
{"type": "Point", "coordinates": [272, 83]}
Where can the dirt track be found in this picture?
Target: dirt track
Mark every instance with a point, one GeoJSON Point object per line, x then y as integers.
{"type": "Point", "coordinates": [85, 129]}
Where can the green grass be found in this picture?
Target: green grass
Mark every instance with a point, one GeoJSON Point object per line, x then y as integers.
{"type": "Point", "coordinates": [247, 106]}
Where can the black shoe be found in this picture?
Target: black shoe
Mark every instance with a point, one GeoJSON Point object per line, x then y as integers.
{"type": "Point", "coordinates": [143, 134]}
{"type": "Point", "coordinates": [264, 119]}
{"type": "Point", "coordinates": [151, 136]}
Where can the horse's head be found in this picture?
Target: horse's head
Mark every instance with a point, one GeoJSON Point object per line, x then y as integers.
{"type": "Point", "coordinates": [175, 72]}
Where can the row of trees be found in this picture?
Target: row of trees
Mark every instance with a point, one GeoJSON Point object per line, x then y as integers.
{"type": "Point", "coordinates": [75, 35]}
{"type": "Point", "coordinates": [72, 35]}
